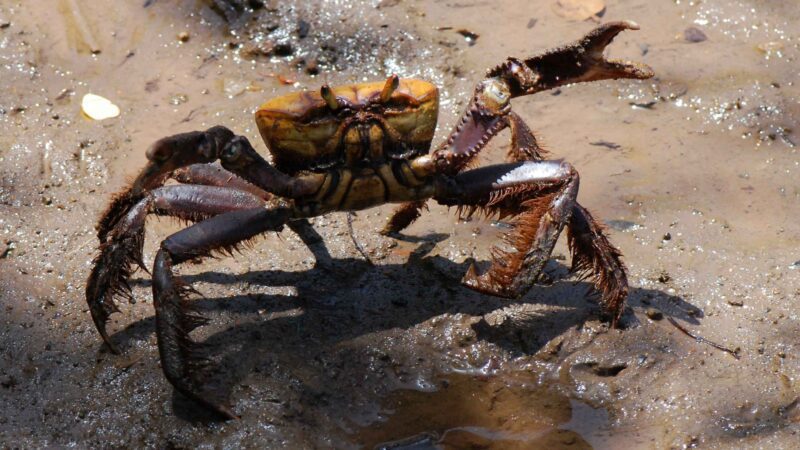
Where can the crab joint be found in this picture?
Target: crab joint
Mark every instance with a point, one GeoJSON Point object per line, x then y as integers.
{"type": "Point", "coordinates": [388, 89]}
{"type": "Point", "coordinates": [327, 95]}
{"type": "Point", "coordinates": [493, 95]}
{"type": "Point", "coordinates": [424, 165]}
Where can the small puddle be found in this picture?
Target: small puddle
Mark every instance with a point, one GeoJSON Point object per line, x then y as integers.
{"type": "Point", "coordinates": [509, 411]}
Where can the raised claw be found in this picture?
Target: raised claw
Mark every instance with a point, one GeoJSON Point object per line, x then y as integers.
{"type": "Point", "coordinates": [601, 68]}
{"type": "Point", "coordinates": [574, 63]}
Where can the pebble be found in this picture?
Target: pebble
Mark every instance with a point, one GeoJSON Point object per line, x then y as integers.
{"type": "Point", "coordinates": [653, 314]}
{"type": "Point", "coordinates": [283, 49]}
{"type": "Point", "coordinates": [736, 302]}
{"type": "Point", "coordinates": [623, 225]}
{"type": "Point", "coordinates": [694, 35]}
{"type": "Point", "coordinates": [312, 66]}
{"type": "Point", "coordinates": [7, 381]}
{"type": "Point", "coordinates": [303, 28]}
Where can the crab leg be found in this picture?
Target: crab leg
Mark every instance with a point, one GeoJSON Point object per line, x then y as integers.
{"type": "Point", "coordinates": [214, 175]}
{"type": "Point", "coordinates": [182, 359]}
{"type": "Point", "coordinates": [114, 264]}
{"type": "Point", "coordinates": [539, 195]}
{"type": "Point", "coordinates": [181, 150]}
{"type": "Point", "coordinates": [593, 256]}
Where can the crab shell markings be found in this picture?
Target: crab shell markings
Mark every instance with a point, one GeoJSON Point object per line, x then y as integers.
{"type": "Point", "coordinates": [368, 142]}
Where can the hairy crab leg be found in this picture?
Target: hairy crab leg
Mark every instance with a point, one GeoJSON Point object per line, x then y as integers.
{"type": "Point", "coordinates": [182, 359]}
{"type": "Point", "coordinates": [217, 143]}
{"type": "Point", "coordinates": [593, 255]}
{"type": "Point", "coordinates": [215, 175]}
{"type": "Point", "coordinates": [403, 216]}
{"type": "Point", "coordinates": [113, 266]}
{"type": "Point", "coordinates": [540, 198]}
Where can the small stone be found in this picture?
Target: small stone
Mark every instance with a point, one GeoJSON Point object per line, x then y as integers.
{"type": "Point", "coordinates": [183, 36]}
{"type": "Point", "coordinates": [768, 48]}
{"type": "Point", "coordinates": [623, 225]}
{"type": "Point", "coordinates": [666, 237]}
{"type": "Point", "coordinates": [178, 99]}
{"type": "Point", "coordinates": [7, 381]}
{"type": "Point", "coordinates": [736, 302]}
{"type": "Point", "coordinates": [653, 314]}
{"type": "Point", "coordinates": [283, 49]}
{"type": "Point", "coordinates": [664, 277]}
{"type": "Point", "coordinates": [303, 28]}
{"type": "Point", "coordinates": [694, 35]}
{"type": "Point", "coordinates": [312, 66]}
{"type": "Point", "coordinates": [5, 250]}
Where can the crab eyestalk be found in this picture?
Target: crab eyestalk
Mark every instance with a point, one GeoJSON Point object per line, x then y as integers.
{"type": "Point", "coordinates": [329, 97]}
{"type": "Point", "coordinates": [388, 89]}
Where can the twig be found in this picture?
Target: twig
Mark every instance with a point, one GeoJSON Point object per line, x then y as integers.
{"type": "Point", "coordinates": [703, 340]}
{"type": "Point", "coordinates": [355, 242]}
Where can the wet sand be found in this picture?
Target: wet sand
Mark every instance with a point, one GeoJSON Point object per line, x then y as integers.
{"type": "Point", "coordinates": [695, 172]}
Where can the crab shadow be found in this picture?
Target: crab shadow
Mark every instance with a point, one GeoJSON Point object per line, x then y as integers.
{"type": "Point", "coordinates": [339, 300]}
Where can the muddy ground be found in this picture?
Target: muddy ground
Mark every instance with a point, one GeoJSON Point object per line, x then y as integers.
{"type": "Point", "coordinates": [695, 171]}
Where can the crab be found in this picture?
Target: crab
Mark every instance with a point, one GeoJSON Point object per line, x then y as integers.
{"type": "Point", "coordinates": [349, 148]}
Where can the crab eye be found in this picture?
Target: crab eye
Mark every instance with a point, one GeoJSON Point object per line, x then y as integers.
{"type": "Point", "coordinates": [330, 99]}
{"type": "Point", "coordinates": [392, 83]}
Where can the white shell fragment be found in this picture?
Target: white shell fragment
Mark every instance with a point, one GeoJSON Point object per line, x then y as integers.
{"type": "Point", "coordinates": [98, 108]}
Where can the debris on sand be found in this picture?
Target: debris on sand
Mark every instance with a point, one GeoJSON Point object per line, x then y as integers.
{"type": "Point", "coordinates": [96, 107]}
{"type": "Point", "coordinates": [579, 10]}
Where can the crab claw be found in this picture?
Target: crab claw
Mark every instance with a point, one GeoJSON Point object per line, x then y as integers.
{"type": "Point", "coordinates": [600, 68]}
{"type": "Point", "coordinates": [574, 63]}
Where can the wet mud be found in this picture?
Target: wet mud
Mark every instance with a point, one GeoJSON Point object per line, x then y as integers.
{"type": "Point", "coordinates": [695, 172]}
